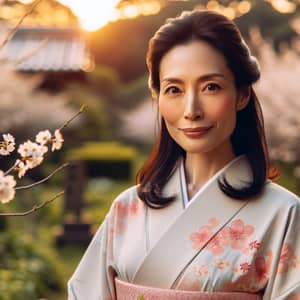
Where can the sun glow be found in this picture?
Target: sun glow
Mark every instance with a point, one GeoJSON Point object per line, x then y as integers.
{"type": "Point", "coordinates": [283, 6]}
{"type": "Point", "coordinates": [93, 14]}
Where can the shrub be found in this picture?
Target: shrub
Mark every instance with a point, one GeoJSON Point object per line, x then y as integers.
{"type": "Point", "coordinates": [27, 272]}
{"type": "Point", "coordinates": [109, 159]}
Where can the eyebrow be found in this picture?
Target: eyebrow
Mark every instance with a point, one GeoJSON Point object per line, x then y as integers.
{"type": "Point", "coordinates": [205, 77]}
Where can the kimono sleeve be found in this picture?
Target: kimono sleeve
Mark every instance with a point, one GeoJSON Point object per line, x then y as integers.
{"type": "Point", "coordinates": [94, 277]}
{"type": "Point", "coordinates": [285, 282]}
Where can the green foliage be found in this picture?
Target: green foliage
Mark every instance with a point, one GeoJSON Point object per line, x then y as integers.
{"type": "Point", "coordinates": [104, 80]}
{"type": "Point", "coordinates": [116, 97]}
{"type": "Point", "coordinates": [27, 272]}
{"type": "Point", "coordinates": [133, 93]}
{"type": "Point", "coordinates": [106, 98]}
{"type": "Point", "coordinates": [287, 178]}
{"type": "Point", "coordinates": [112, 160]}
{"type": "Point", "coordinates": [103, 151]}
{"type": "Point", "coordinates": [94, 121]}
{"type": "Point", "coordinates": [272, 24]}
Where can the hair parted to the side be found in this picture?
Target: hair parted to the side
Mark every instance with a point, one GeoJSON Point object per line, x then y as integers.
{"type": "Point", "coordinates": [248, 137]}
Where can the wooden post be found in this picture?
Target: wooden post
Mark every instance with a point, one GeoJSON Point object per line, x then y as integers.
{"type": "Point", "coordinates": [74, 230]}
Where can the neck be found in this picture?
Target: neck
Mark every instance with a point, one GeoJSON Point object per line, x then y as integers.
{"type": "Point", "coordinates": [200, 167]}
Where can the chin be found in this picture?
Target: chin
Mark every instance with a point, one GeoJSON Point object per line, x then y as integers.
{"type": "Point", "coordinates": [204, 148]}
{"type": "Point", "coordinates": [195, 150]}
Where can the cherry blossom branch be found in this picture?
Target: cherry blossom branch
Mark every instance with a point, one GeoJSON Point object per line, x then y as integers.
{"type": "Point", "coordinates": [31, 156]}
{"type": "Point", "coordinates": [81, 110]}
{"type": "Point", "coordinates": [23, 187]}
{"type": "Point", "coordinates": [14, 30]}
{"type": "Point", "coordinates": [11, 168]}
{"type": "Point", "coordinates": [33, 209]}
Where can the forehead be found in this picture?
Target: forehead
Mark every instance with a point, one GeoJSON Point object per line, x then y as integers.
{"type": "Point", "coordinates": [195, 58]}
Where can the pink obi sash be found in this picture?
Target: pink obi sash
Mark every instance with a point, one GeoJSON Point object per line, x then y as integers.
{"type": "Point", "coordinates": [129, 291]}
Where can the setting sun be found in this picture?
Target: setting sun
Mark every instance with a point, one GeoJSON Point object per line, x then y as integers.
{"type": "Point", "coordinates": [93, 14]}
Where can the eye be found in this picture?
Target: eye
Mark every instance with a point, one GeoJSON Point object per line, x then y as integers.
{"type": "Point", "coordinates": [212, 87]}
{"type": "Point", "coordinates": [172, 90]}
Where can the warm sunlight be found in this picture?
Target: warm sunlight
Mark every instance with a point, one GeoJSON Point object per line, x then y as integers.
{"type": "Point", "coordinates": [93, 14]}
{"type": "Point", "coordinates": [283, 6]}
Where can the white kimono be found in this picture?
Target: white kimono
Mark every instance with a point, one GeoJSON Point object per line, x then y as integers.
{"type": "Point", "coordinates": [209, 243]}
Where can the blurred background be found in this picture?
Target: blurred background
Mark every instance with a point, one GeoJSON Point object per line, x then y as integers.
{"type": "Point", "coordinates": [72, 52]}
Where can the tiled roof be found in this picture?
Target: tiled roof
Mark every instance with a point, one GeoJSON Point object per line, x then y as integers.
{"type": "Point", "coordinates": [48, 49]}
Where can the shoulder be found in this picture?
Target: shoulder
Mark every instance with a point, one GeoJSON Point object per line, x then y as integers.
{"type": "Point", "coordinates": [127, 202]}
{"type": "Point", "coordinates": [279, 195]}
{"type": "Point", "coordinates": [127, 195]}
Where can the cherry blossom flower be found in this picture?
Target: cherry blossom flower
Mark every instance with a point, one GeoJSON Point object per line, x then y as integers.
{"type": "Point", "coordinates": [134, 207]}
{"type": "Point", "coordinates": [7, 184]}
{"type": "Point", "coordinates": [200, 237]}
{"type": "Point", "coordinates": [43, 137]}
{"type": "Point", "coordinates": [121, 209]}
{"type": "Point", "coordinates": [7, 145]}
{"type": "Point", "coordinates": [201, 270]}
{"type": "Point", "coordinates": [213, 222]}
{"type": "Point", "coordinates": [255, 275]}
{"type": "Point", "coordinates": [245, 267]}
{"type": "Point", "coordinates": [21, 168]}
{"type": "Point", "coordinates": [222, 264]}
{"type": "Point", "coordinates": [32, 153]}
{"type": "Point", "coordinates": [238, 234]}
{"type": "Point", "coordinates": [30, 149]}
{"type": "Point", "coordinates": [217, 244]}
{"type": "Point", "coordinates": [119, 217]}
{"type": "Point", "coordinates": [57, 141]}
{"type": "Point", "coordinates": [262, 265]}
{"type": "Point", "coordinates": [287, 258]}
{"type": "Point", "coordinates": [254, 245]}
{"type": "Point", "coordinates": [204, 233]}
{"type": "Point", "coordinates": [34, 162]}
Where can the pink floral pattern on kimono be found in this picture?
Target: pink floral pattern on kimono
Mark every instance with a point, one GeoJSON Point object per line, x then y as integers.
{"type": "Point", "coordinates": [222, 264]}
{"type": "Point", "coordinates": [255, 275]}
{"type": "Point", "coordinates": [199, 238]}
{"type": "Point", "coordinates": [119, 216]}
{"type": "Point", "coordinates": [122, 213]}
{"type": "Point", "coordinates": [201, 270]}
{"type": "Point", "coordinates": [287, 259]}
{"type": "Point", "coordinates": [134, 207]}
{"type": "Point", "coordinates": [238, 234]}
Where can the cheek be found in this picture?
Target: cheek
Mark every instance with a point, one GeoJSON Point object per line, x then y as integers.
{"type": "Point", "coordinates": [221, 110]}
{"type": "Point", "coordinates": [171, 112]}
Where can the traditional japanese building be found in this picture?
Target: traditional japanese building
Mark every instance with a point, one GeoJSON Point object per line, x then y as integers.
{"type": "Point", "coordinates": [61, 54]}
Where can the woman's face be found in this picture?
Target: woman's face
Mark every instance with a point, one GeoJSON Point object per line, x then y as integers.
{"type": "Point", "coordinates": [198, 98]}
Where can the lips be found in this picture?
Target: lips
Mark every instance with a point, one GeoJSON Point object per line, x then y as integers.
{"type": "Point", "coordinates": [196, 132]}
{"type": "Point", "coordinates": [195, 129]}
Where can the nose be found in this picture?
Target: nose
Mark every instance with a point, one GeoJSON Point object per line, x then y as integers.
{"type": "Point", "coordinates": [193, 109]}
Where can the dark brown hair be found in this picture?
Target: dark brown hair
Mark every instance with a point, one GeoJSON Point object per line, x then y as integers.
{"type": "Point", "coordinates": [248, 137]}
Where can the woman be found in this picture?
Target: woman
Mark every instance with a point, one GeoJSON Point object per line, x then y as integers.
{"type": "Point", "coordinates": [205, 221]}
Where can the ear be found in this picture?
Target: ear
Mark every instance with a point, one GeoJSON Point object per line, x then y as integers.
{"type": "Point", "coordinates": [243, 98]}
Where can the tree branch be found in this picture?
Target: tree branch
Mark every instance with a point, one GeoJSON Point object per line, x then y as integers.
{"type": "Point", "coordinates": [35, 208]}
{"type": "Point", "coordinates": [23, 187]}
{"type": "Point", "coordinates": [11, 168]}
{"type": "Point", "coordinates": [82, 108]}
{"type": "Point", "coordinates": [14, 30]}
